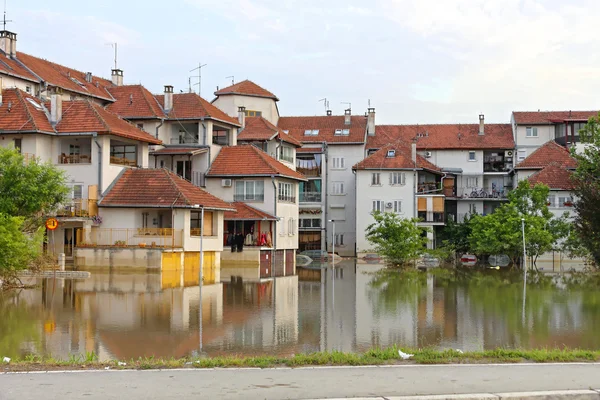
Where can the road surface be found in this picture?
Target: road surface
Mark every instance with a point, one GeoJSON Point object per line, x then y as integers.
{"type": "Point", "coordinates": [299, 383]}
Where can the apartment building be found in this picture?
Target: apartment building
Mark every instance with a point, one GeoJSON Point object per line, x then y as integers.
{"type": "Point", "coordinates": [256, 101]}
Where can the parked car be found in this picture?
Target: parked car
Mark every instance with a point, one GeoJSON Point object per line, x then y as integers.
{"type": "Point", "coordinates": [468, 260]}
{"type": "Point", "coordinates": [499, 260]}
{"type": "Point", "coordinates": [428, 261]}
{"type": "Point", "coordinates": [316, 255]}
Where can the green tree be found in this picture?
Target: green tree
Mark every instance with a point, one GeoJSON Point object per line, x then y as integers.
{"type": "Point", "coordinates": [455, 235]}
{"type": "Point", "coordinates": [399, 240]}
{"type": "Point", "coordinates": [500, 232]}
{"type": "Point", "coordinates": [586, 181]}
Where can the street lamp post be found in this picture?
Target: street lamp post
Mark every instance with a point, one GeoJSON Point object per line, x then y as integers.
{"type": "Point", "coordinates": [333, 242]}
{"type": "Point", "coordinates": [200, 274]}
{"type": "Point", "coordinates": [524, 251]}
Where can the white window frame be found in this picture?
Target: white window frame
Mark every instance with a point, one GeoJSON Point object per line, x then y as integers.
{"type": "Point", "coordinates": [397, 178]}
{"type": "Point", "coordinates": [473, 208]}
{"type": "Point", "coordinates": [337, 188]}
{"type": "Point", "coordinates": [531, 132]}
{"type": "Point", "coordinates": [73, 192]}
{"type": "Point", "coordinates": [378, 205]}
{"type": "Point", "coordinates": [286, 154]}
{"type": "Point", "coordinates": [552, 200]}
{"type": "Point", "coordinates": [474, 159]}
{"type": "Point", "coordinates": [338, 163]}
{"type": "Point", "coordinates": [291, 227]}
{"type": "Point", "coordinates": [397, 207]}
{"type": "Point", "coordinates": [286, 192]}
{"type": "Point", "coordinates": [376, 179]}
{"type": "Point", "coordinates": [521, 155]}
{"type": "Point", "coordinates": [282, 226]}
{"type": "Point", "coordinates": [255, 184]}
{"type": "Point", "coordinates": [563, 199]}
{"type": "Point", "coordinates": [471, 180]}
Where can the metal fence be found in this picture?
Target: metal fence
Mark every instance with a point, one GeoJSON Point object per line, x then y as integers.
{"type": "Point", "coordinates": [79, 208]}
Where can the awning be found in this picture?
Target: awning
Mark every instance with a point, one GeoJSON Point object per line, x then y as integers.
{"type": "Point", "coordinates": [175, 151]}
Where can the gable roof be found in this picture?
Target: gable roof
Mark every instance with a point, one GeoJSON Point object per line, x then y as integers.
{"type": "Point", "coordinates": [402, 159]}
{"type": "Point", "coordinates": [446, 136]}
{"type": "Point", "coordinates": [554, 175]}
{"type": "Point", "coordinates": [259, 129]}
{"type": "Point", "coordinates": [20, 112]}
{"type": "Point", "coordinates": [192, 106]}
{"type": "Point", "coordinates": [326, 125]}
{"type": "Point", "coordinates": [13, 67]}
{"type": "Point", "coordinates": [81, 116]}
{"type": "Point", "coordinates": [247, 160]}
{"type": "Point", "coordinates": [246, 88]}
{"type": "Point", "coordinates": [548, 117]}
{"type": "Point", "coordinates": [135, 101]}
{"type": "Point", "coordinates": [550, 152]}
{"type": "Point", "coordinates": [246, 212]}
{"type": "Point", "coordinates": [158, 188]}
{"type": "Point", "coordinates": [67, 78]}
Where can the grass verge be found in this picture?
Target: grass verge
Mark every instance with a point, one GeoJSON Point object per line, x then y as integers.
{"type": "Point", "coordinates": [388, 356]}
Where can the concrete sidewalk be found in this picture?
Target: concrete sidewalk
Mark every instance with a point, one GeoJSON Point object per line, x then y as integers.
{"type": "Point", "coordinates": [308, 383]}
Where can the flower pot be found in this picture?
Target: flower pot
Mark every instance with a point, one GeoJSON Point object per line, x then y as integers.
{"type": "Point", "coordinates": [142, 245]}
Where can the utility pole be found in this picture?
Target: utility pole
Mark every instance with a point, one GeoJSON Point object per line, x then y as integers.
{"type": "Point", "coordinates": [199, 69]}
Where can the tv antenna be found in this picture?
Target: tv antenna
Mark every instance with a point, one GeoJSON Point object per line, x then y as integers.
{"type": "Point", "coordinates": [232, 79]}
{"type": "Point", "coordinates": [4, 21]}
{"type": "Point", "coordinates": [114, 46]}
{"type": "Point", "coordinates": [349, 104]}
{"type": "Point", "coordinates": [199, 83]}
{"type": "Point", "coordinates": [325, 104]}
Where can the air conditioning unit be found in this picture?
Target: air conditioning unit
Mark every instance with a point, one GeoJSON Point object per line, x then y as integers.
{"type": "Point", "coordinates": [388, 204]}
{"type": "Point", "coordinates": [226, 182]}
{"type": "Point", "coordinates": [427, 154]}
{"type": "Point", "coordinates": [508, 153]}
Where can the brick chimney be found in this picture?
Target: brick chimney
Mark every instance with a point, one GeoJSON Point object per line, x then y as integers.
{"type": "Point", "coordinates": [481, 124]}
{"type": "Point", "coordinates": [347, 116]}
{"type": "Point", "coordinates": [371, 122]}
{"type": "Point", "coordinates": [55, 109]}
{"type": "Point", "coordinates": [168, 97]}
{"type": "Point", "coordinates": [8, 43]}
{"type": "Point", "coordinates": [117, 77]}
{"type": "Point", "coordinates": [329, 113]}
{"type": "Point", "coordinates": [88, 77]}
{"type": "Point", "coordinates": [413, 151]}
{"type": "Point", "coordinates": [242, 116]}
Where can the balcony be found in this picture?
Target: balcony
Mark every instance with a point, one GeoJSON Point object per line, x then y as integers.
{"type": "Point", "coordinates": [487, 193]}
{"type": "Point", "coordinates": [287, 198]}
{"type": "Point", "coordinates": [74, 159]}
{"type": "Point", "coordinates": [497, 161]}
{"type": "Point", "coordinates": [184, 140]}
{"type": "Point", "coordinates": [248, 197]}
{"type": "Point", "coordinates": [133, 237]}
{"type": "Point", "coordinates": [309, 165]}
{"type": "Point", "coordinates": [431, 217]}
{"type": "Point", "coordinates": [79, 208]}
{"type": "Point", "coordinates": [310, 197]}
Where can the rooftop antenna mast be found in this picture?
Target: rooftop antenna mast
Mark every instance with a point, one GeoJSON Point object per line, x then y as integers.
{"type": "Point", "coordinates": [232, 79]}
{"type": "Point", "coordinates": [325, 104]}
{"type": "Point", "coordinates": [4, 21]}
{"type": "Point", "coordinates": [114, 46]}
{"type": "Point", "coordinates": [349, 104]}
{"type": "Point", "coordinates": [199, 69]}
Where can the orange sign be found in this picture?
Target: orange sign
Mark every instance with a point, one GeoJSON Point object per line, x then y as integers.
{"type": "Point", "coordinates": [51, 224]}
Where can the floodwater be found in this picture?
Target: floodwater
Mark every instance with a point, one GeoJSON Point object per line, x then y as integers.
{"type": "Point", "coordinates": [349, 308]}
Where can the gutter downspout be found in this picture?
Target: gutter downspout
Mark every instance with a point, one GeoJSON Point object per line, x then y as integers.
{"type": "Point", "coordinates": [95, 136]}
{"type": "Point", "coordinates": [276, 221]}
{"type": "Point", "coordinates": [325, 188]}
{"type": "Point", "coordinates": [162, 121]}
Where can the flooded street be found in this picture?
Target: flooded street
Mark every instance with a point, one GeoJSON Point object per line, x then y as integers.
{"type": "Point", "coordinates": [352, 308]}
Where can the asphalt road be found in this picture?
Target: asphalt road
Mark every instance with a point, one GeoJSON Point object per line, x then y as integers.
{"type": "Point", "coordinates": [299, 383]}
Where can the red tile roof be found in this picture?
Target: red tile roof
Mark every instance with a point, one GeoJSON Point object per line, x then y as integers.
{"type": "Point", "coordinates": [25, 114]}
{"type": "Point", "coordinates": [247, 212]}
{"type": "Point", "coordinates": [548, 117]}
{"type": "Point", "coordinates": [247, 160]}
{"type": "Point", "coordinates": [179, 151]}
{"type": "Point", "coordinates": [81, 116]}
{"type": "Point", "coordinates": [326, 125]}
{"type": "Point", "coordinates": [192, 106]}
{"type": "Point", "coordinates": [66, 78]}
{"type": "Point", "coordinates": [554, 175]}
{"type": "Point", "coordinates": [550, 152]}
{"type": "Point", "coordinates": [155, 188]}
{"type": "Point", "coordinates": [13, 67]}
{"type": "Point", "coordinates": [309, 150]}
{"type": "Point", "coordinates": [445, 137]}
{"type": "Point", "coordinates": [135, 101]}
{"type": "Point", "coordinates": [259, 129]}
{"type": "Point", "coordinates": [247, 88]}
{"type": "Point", "coordinates": [402, 159]}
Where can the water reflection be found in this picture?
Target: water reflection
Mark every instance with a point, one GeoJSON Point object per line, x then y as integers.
{"type": "Point", "coordinates": [349, 308]}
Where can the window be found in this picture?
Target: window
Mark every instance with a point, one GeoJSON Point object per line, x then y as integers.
{"type": "Point", "coordinates": [472, 156]}
{"type": "Point", "coordinates": [310, 223]}
{"type": "Point", "coordinates": [28, 89]}
{"type": "Point", "coordinates": [531, 131]}
{"type": "Point", "coordinates": [375, 179]}
{"type": "Point", "coordinates": [397, 178]}
{"type": "Point", "coordinates": [252, 113]}
{"type": "Point", "coordinates": [123, 154]}
{"type": "Point", "coordinates": [378, 206]}
{"type": "Point", "coordinates": [339, 239]}
{"type": "Point", "coordinates": [77, 191]}
{"type": "Point", "coordinates": [140, 126]}
{"type": "Point", "coordinates": [565, 201]}
{"type": "Point", "coordinates": [338, 163]}
{"type": "Point", "coordinates": [397, 206]}
{"type": "Point", "coordinates": [18, 144]}
{"type": "Point", "coordinates": [473, 208]}
{"type": "Point", "coordinates": [286, 154]}
{"type": "Point", "coordinates": [249, 191]}
{"type": "Point", "coordinates": [337, 188]}
{"type": "Point", "coordinates": [311, 132]}
{"type": "Point", "coordinates": [391, 153]}
{"type": "Point", "coordinates": [74, 149]}
{"type": "Point", "coordinates": [342, 132]}
{"type": "Point", "coordinates": [472, 182]}
{"type": "Point", "coordinates": [551, 202]}
{"type": "Point", "coordinates": [282, 226]}
{"type": "Point", "coordinates": [521, 155]}
{"type": "Point", "coordinates": [287, 192]}
{"type": "Point", "coordinates": [291, 227]}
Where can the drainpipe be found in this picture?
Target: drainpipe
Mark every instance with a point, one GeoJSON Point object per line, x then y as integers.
{"type": "Point", "coordinates": [277, 148]}
{"type": "Point", "coordinates": [162, 121]}
{"type": "Point", "coordinates": [324, 188]}
{"type": "Point", "coordinates": [95, 136]}
{"type": "Point", "coordinates": [277, 220]}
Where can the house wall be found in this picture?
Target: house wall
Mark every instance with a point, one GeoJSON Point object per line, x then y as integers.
{"type": "Point", "coordinates": [9, 82]}
{"type": "Point", "coordinates": [230, 104]}
{"type": "Point", "coordinates": [273, 150]}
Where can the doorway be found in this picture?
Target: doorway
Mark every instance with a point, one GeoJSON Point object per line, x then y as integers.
{"type": "Point", "coordinates": [184, 169]}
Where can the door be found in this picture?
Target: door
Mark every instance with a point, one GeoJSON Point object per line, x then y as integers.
{"type": "Point", "coordinates": [70, 241]}
{"type": "Point", "coordinates": [184, 169]}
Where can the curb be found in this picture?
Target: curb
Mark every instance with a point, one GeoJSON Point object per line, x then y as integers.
{"type": "Point", "coordinates": [540, 395]}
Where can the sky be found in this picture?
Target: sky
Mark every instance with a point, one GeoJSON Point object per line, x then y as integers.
{"type": "Point", "coordinates": [415, 61]}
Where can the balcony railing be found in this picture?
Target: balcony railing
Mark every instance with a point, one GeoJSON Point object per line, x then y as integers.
{"type": "Point", "coordinates": [184, 140]}
{"type": "Point", "coordinates": [132, 237]}
{"type": "Point", "coordinates": [28, 157]}
{"type": "Point", "coordinates": [74, 159]}
{"type": "Point", "coordinates": [310, 197]}
{"type": "Point", "coordinates": [248, 197]}
{"type": "Point", "coordinates": [287, 198]}
{"type": "Point", "coordinates": [122, 161]}
{"type": "Point", "coordinates": [483, 193]}
{"type": "Point", "coordinates": [430, 216]}
{"type": "Point", "coordinates": [79, 208]}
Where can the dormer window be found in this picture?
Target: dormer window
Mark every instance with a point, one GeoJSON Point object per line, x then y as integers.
{"type": "Point", "coordinates": [311, 132]}
{"type": "Point", "coordinates": [342, 132]}
{"type": "Point", "coordinates": [391, 153]}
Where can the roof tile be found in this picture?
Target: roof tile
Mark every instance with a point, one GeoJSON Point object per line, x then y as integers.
{"type": "Point", "coordinates": [327, 126]}
{"type": "Point", "coordinates": [245, 211]}
{"type": "Point", "coordinates": [550, 152]}
{"type": "Point", "coordinates": [554, 175]}
{"type": "Point", "coordinates": [13, 67]}
{"type": "Point", "coordinates": [25, 114]}
{"type": "Point", "coordinates": [247, 88]}
{"type": "Point", "coordinates": [135, 101]}
{"type": "Point", "coordinates": [259, 129]}
{"type": "Point", "coordinates": [402, 159]}
{"type": "Point", "coordinates": [192, 106]}
{"type": "Point", "coordinates": [548, 117]}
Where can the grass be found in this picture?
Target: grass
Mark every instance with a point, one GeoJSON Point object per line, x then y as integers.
{"type": "Point", "coordinates": [388, 356]}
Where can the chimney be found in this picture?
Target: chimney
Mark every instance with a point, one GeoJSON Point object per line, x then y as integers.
{"type": "Point", "coordinates": [371, 122]}
{"type": "Point", "coordinates": [168, 97]}
{"type": "Point", "coordinates": [329, 113]}
{"type": "Point", "coordinates": [88, 77]}
{"type": "Point", "coordinates": [242, 116]}
{"type": "Point", "coordinates": [481, 124]}
{"type": "Point", "coordinates": [347, 116]}
{"type": "Point", "coordinates": [413, 152]}
{"type": "Point", "coordinates": [55, 109]}
{"type": "Point", "coordinates": [8, 43]}
{"type": "Point", "coordinates": [117, 77]}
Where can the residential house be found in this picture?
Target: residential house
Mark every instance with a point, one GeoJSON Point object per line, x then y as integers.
{"type": "Point", "coordinates": [256, 101]}
{"type": "Point", "coordinates": [92, 145]}
{"type": "Point", "coordinates": [531, 129]}
{"type": "Point", "coordinates": [332, 144]}
{"type": "Point", "coordinates": [269, 242]}
{"type": "Point", "coordinates": [155, 219]}
{"type": "Point", "coordinates": [387, 181]}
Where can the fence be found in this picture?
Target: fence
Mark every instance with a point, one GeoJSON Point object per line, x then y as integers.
{"type": "Point", "coordinates": [134, 237]}
{"type": "Point", "coordinates": [310, 197]}
{"type": "Point", "coordinates": [483, 193]}
{"type": "Point", "coordinates": [79, 208]}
